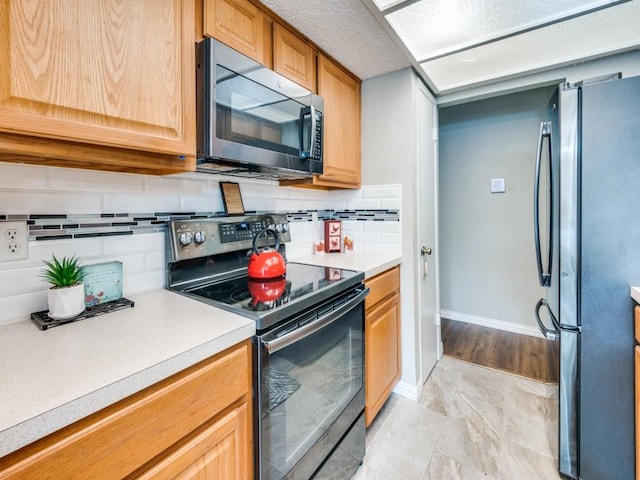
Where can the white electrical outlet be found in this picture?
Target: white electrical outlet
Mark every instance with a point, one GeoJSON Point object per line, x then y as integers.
{"type": "Point", "coordinates": [14, 241]}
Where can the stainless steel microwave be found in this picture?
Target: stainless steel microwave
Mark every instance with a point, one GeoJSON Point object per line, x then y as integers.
{"type": "Point", "coordinates": [251, 121]}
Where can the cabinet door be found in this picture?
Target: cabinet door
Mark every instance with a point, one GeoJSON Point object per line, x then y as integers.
{"type": "Point", "coordinates": [237, 23]}
{"type": "Point", "coordinates": [294, 58]}
{"type": "Point", "coordinates": [342, 162]}
{"type": "Point", "coordinates": [220, 452]}
{"type": "Point", "coordinates": [637, 389]}
{"type": "Point", "coordinates": [341, 92]}
{"type": "Point", "coordinates": [131, 433]}
{"type": "Point", "coordinates": [382, 354]}
{"type": "Point", "coordinates": [105, 72]}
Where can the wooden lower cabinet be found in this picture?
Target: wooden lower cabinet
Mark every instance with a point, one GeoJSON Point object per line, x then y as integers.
{"type": "Point", "coordinates": [637, 375]}
{"type": "Point", "coordinates": [193, 425]}
{"type": "Point", "coordinates": [637, 389]}
{"type": "Point", "coordinates": [216, 452]}
{"type": "Point", "coordinates": [382, 340]}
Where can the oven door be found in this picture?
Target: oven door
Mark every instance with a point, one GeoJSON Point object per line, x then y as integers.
{"type": "Point", "coordinates": [311, 387]}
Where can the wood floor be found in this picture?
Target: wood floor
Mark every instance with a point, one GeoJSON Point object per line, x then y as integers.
{"type": "Point", "coordinates": [523, 355]}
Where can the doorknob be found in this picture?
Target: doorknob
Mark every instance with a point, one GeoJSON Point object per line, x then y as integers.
{"type": "Point", "coordinates": [425, 251]}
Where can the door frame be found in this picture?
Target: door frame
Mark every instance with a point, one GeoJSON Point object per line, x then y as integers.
{"type": "Point", "coordinates": [423, 375]}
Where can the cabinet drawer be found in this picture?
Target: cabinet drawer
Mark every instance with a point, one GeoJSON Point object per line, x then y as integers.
{"type": "Point", "coordinates": [637, 318]}
{"type": "Point", "coordinates": [382, 286]}
{"type": "Point", "coordinates": [119, 439]}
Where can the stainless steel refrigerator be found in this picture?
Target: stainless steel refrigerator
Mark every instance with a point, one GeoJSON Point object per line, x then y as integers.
{"type": "Point", "coordinates": [587, 232]}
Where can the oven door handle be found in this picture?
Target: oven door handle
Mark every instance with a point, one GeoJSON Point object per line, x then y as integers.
{"type": "Point", "coordinates": [298, 334]}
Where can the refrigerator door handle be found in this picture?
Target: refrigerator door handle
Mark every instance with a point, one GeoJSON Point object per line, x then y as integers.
{"type": "Point", "coordinates": [549, 334]}
{"type": "Point", "coordinates": [544, 275]}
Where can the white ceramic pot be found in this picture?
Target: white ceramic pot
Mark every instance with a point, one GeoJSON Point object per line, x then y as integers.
{"type": "Point", "coordinates": [66, 302]}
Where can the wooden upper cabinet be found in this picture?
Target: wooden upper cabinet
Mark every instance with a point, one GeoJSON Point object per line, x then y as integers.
{"type": "Point", "coordinates": [117, 73]}
{"type": "Point", "coordinates": [293, 57]}
{"type": "Point", "coordinates": [341, 93]}
{"type": "Point", "coordinates": [237, 23]}
{"type": "Point", "coordinates": [341, 156]}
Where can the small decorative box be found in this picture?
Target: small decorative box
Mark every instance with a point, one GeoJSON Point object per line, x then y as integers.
{"type": "Point", "coordinates": [332, 235]}
{"type": "Point", "coordinates": [102, 283]}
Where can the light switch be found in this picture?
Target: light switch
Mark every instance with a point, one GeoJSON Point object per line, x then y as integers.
{"type": "Point", "coordinates": [498, 185]}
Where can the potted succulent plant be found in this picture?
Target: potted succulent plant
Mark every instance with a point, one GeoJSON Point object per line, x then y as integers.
{"type": "Point", "coordinates": [66, 295]}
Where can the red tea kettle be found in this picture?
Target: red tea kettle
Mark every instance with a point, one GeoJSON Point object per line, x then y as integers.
{"type": "Point", "coordinates": [266, 262]}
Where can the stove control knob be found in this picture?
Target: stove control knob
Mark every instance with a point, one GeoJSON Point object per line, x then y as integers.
{"type": "Point", "coordinates": [279, 228]}
{"type": "Point", "coordinates": [285, 227]}
{"type": "Point", "coordinates": [185, 238]}
{"type": "Point", "coordinates": [200, 237]}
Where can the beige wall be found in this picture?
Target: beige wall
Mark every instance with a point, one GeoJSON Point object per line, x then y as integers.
{"type": "Point", "coordinates": [389, 155]}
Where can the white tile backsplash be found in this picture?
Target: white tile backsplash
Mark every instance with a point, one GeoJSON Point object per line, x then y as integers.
{"type": "Point", "coordinates": [213, 203]}
{"type": "Point", "coordinates": [26, 189]}
{"type": "Point", "coordinates": [363, 204]}
{"type": "Point", "coordinates": [16, 176]}
{"type": "Point", "coordinates": [154, 202]}
{"type": "Point", "coordinates": [390, 203]}
{"type": "Point", "coordinates": [387, 191]}
{"type": "Point", "coordinates": [144, 242]}
{"type": "Point", "coordinates": [18, 307]}
{"type": "Point", "coordinates": [21, 280]}
{"type": "Point", "coordinates": [72, 179]}
{"type": "Point", "coordinates": [31, 201]}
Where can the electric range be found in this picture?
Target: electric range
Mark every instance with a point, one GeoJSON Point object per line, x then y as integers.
{"type": "Point", "coordinates": [308, 350]}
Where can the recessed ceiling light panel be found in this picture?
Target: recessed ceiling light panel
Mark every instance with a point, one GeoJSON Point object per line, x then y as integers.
{"type": "Point", "coordinates": [431, 28]}
{"type": "Point", "coordinates": [600, 33]}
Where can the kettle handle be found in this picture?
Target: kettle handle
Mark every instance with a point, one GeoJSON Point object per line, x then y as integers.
{"type": "Point", "coordinates": [254, 247]}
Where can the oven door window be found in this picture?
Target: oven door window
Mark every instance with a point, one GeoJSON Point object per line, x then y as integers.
{"type": "Point", "coordinates": [252, 114]}
{"type": "Point", "coordinates": [309, 383]}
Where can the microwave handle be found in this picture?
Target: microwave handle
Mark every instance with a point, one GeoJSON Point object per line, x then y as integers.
{"type": "Point", "coordinates": [312, 143]}
{"type": "Point", "coordinates": [304, 152]}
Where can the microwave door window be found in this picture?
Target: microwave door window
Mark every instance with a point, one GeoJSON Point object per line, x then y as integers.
{"type": "Point", "coordinates": [252, 114]}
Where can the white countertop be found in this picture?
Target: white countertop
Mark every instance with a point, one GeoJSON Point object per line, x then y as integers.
{"type": "Point", "coordinates": [49, 379]}
{"type": "Point", "coordinates": [370, 264]}
{"type": "Point", "coordinates": [635, 294]}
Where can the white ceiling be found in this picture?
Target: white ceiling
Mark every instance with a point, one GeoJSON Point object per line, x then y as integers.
{"type": "Point", "coordinates": [455, 44]}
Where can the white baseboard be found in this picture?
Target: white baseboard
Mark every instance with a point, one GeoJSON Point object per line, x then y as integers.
{"type": "Point", "coordinates": [492, 323]}
{"type": "Point", "coordinates": [412, 392]}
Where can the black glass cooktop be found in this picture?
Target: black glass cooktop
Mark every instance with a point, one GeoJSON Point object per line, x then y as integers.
{"type": "Point", "coordinates": [270, 301]}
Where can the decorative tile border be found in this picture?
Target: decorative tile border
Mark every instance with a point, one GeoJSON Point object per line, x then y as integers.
{"type": "Point", "coordinates": [379, 215]}
{"type": "Point", "coordinates": [67, 226]}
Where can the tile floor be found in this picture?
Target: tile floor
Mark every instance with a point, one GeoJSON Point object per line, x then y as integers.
{"type": "Point", "coordinates": [470, 423]}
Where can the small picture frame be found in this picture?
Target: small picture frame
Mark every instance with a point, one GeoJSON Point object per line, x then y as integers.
{"type": "Point", "coordinates": [332, 235]}
{"type": "Point", "coordinates": [231, 198]}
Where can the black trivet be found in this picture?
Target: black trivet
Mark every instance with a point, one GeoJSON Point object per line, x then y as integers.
{"type": "Point", "coordinates": [43, 321]}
